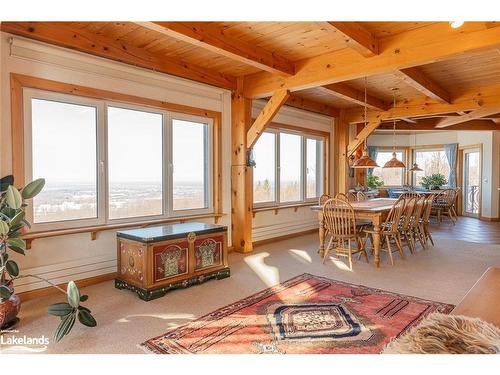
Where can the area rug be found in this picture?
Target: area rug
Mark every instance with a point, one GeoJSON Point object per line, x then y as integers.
{"type": "Point", "coordinates": [304, 315]}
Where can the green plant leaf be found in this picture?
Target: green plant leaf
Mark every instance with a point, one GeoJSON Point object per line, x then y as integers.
{"type": "Point", "coordinates": [5, 292]}
{"type": "Point", "coordinates": [16, 242]}
{"type": "Point", "coordinates": [6, 181]}
{"type": "Point", "coordinates": [84, 308]}
{"type": "Point", "coordinates": [60, 309]}
{"type": "Point", "coordinates": [65, 326]}
{"type": "Point", "coordinates": [86, 318]}
{"type": "Point", "coordinates": [33, 188]}
{"type": "Point", "coordinates": [4, 228]}
{"type": "Point", "coordinates": [17, 249]}
{"type": "Point", "coordinates": [17, 218]}
{"type": "Point", "coordinates": [73, 294]}
{"type": "Point", "coordinates": [83, 298]}
{"type": "Point", "coordinates": [12, 268]}
{"type": "Point", "coordinates": [13, 198]}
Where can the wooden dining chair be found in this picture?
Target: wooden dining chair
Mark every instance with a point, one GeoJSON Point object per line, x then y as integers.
{"type": "Point", "coordinates": [352, 197]}
{"type": "Point", "coordinates": [444, 205]}
{"type": "Point", "coordinates": [390, 231]}
{"type": "Point", "coordinates": [405, 223]}
{"type": "Point", "coordinates": [425, 221]}
{"type": "Point", "coordinates": [340, 222]}
{"type": "Point", "coordinates": [360, 196]}
{"type": "Point", "coordinates": [410, 194]}
{"type": "Point", "coordinates": [415, 222]}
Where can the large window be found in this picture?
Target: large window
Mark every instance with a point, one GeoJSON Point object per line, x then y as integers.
{"type": "Point", "coordinates": [431, 162]}
{"type": "Point", "coordinates": [289, 168]}
{"type": "Point", "coordinates": [106, 162]}
{"type": "Point", "coordinates": [390, 176]}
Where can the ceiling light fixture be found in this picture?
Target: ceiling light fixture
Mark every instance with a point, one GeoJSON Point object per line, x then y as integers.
{"type": "Point", "coordinates": [365, 161]}
{"type": "Point", "coordinates": [394, 162]}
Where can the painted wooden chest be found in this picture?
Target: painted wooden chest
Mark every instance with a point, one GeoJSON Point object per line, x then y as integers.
{"type": "Point", "coordinates": [155, 260]}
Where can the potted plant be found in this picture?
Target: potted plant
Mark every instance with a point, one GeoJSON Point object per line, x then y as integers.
{"type": "Point", "coordinates": [374, 182]}
{"type": "Point", "coordinates": [12, 221]}
{"type": "Point", "coordinates": [434, 181]}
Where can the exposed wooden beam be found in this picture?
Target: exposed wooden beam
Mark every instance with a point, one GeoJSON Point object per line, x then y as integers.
{"type": "Point", "coordinates": [468, 100]}
{"type": "Point", "coordinates": [474, 115]}
{"type": "Point", "coordinates": [420, 46]}
{"type": "Point", "coordinates": [266, 116]}
{"type": "Point", "coordinates": [311, 106]}
{"type": "Point", "coordinates": [85, 41]}
{"type": "Point", "coordinates": [216, 40]}
{"type": "Point", "coordinates": [355, 36]}
{"type": "Point", "coordinates": [429, 125]}
{"type": "Point", "coordinates": [361, 136]}
{"type": "Point", "coordinates": [343, 91]}
{"type": "Point", "coordinates": [241, 175]}
{"type": "Point", "coordinates": [418, 80]}
{"type": "Point", "coordinates": [340, 159]}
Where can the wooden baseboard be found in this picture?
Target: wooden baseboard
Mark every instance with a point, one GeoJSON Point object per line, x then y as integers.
{"type": "Point", "coordinates": [491, 219]}
{"type": "Point", "coordinates": [281, 238]}
{"type": "Point", "coordinates": [42, 292]}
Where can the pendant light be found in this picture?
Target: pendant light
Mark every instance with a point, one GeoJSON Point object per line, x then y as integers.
{"type": "Point", "coordinates": [415, 167]}
{"type": "Point", "coordinates": [365, 161]}
{"type": "Point", "coordinates": [394, 162]}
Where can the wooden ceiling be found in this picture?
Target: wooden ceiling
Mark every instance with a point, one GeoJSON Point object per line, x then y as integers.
{"type": "Point", "coordinates": [272, 55]}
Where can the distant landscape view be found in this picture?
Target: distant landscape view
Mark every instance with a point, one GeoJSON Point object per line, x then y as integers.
{"type": "Point", "coordinates": [59, 202]}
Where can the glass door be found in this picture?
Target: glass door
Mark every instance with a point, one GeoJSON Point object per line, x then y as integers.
{"type": "Point", "coordinates": [472, 182]}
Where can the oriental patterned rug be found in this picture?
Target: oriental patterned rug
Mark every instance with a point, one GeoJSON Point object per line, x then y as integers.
{"type": "Point", "coordinates": [304, 315]}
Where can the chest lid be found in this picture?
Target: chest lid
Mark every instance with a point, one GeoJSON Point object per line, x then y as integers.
{"type": "Point", "coordinates": [169, 231]}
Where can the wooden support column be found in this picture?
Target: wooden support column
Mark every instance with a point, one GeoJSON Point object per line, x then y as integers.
{"type": "Point", "coordinates": [341, 162]}
{"type": "Point", "coordinates": [359, 173]}
{"type": "Point", "coordinates": [241, 175]}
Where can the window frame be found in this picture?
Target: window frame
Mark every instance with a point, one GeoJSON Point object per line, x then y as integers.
{"type": "Point", "coordinates": [304, 134]}
{"type": "Point", "coordinates": [212, 183]}
{"type": "Point", "coordinates": [404, 151]}
{"type": "Point", "coordinates": [414, 151]}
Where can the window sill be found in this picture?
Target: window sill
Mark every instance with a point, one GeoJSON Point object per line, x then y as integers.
{"type": "Point", "coordinates": [276, 209]}
{"type": "Point", "coordinates": [93, 230]}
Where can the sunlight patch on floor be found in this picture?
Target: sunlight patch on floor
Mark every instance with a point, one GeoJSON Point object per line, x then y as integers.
{"type": "Point", "coordinates": [268, 274]}
{"type": "Point", "coordinates": [127, 318]}
{"type": "Point", "coordinates": [339, 264]}
{"type": "Point", "coordinates": [301, 255]}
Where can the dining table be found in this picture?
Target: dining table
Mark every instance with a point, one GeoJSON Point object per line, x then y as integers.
{"type": "Point", "coordinates": [374, 210]}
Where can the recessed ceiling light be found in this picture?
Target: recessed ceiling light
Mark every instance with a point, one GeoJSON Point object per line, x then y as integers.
{"type": "Point", "coordinates": [456, 24]}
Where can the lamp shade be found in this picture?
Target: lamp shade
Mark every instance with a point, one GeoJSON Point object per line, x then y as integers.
{"type": "Point", "coordinates": [394, 162]}
{"type": "Point", "coordinates": [415, 168]}
{"type": "Point", "coordinates": [364, 161]}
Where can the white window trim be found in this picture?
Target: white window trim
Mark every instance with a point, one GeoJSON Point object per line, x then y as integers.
{"type": "Point", "coordinates": [303, 175]}
{"type": "Point", "coordinates": [102, 160]}
{"type": "Point", "coordinates": [404, 170]}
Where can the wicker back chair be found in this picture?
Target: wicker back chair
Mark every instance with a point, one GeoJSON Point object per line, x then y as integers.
{"type": "Point", "coordinates": [405, 224]}
{"type": "Point", "coordinates": [323, 199]}
{"type": "Point", "coordinates": [445, 204]}
{"type": "Point", "coordinates": [390, 230]}
{"type": "Point", "coordinates": [360, 196]}
{"type": "Point", "coordinates": [340, 222]}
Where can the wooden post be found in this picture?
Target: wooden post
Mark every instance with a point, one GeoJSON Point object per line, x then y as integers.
{"type": "Point", "coordinates": [241, 175]}
{"type": "Point", "coordinates": [360, 173]}
{"type": "Point", "coordinates": [341, 139]}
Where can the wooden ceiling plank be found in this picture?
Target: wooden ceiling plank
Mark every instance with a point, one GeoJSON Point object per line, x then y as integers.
{"type": "Point", "coordinates": [312, 106]}
{"type": "Point", "coordinates": [343, 91]}
{"type": "Point", "coordinates": [266, 116]}
{"type": "Point", "coordinates": [216, 40]}
{"type": "Point", "coordinates": [355, 36]}
{"type": "Point", "coordinates": [474, 115]}
{"type": "Point", "coordinates": [88, 42]}
{"type": "Point", "coordinates": [418, 80]}
{"type": "Point", "coordinates": [429, 125]}
{"type": "Point", "coordinates": [421, 46]}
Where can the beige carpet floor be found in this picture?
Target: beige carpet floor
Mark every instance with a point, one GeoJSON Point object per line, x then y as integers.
{"type": "Point", "coordinates": [444, 273]}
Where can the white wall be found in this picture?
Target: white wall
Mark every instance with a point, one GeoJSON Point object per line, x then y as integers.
{"type": "Point", "coordinates": [267, 224]}
{"type": "Point", "coordinates": [76, 256]}
{"type": "Point", "coordinates": [490, 141]}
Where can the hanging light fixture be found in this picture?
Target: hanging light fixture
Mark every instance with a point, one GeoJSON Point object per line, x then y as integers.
{"type": "Point", "coordinates": [394, 162]}
{"type": "Point", "coordinates": [415, 167]}
{"type": "Point", "coordinates": [365, 161]}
